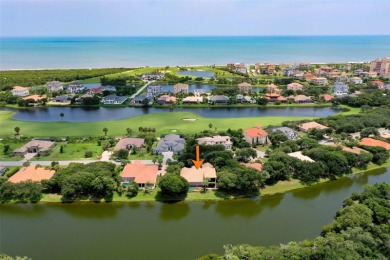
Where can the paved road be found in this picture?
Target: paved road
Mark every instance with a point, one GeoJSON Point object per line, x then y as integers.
{"type": "Point", "coordinates": [48, 163]}
{"type": "Point", "coordinates": [141, 89]}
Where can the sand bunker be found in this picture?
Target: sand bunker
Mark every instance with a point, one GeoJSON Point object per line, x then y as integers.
{"type": "Point", "coordinates": [189, 119]}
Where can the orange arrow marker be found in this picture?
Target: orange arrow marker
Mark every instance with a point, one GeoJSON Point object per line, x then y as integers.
{"type": "Point", "coordinates": [198, 162]}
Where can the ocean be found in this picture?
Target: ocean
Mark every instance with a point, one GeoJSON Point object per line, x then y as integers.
{"type": "Point", "coordinates": [96, 52]}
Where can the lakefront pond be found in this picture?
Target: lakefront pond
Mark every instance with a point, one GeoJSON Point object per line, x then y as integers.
{"type": "Point", "coordinates": [78, 114]}
{"type": "Point", "coordinates": [184, 230]}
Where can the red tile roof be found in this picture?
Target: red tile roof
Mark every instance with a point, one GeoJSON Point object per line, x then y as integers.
{"type": "Point", "coordinates": [373, 142]}
{"type": "Point", "coordinates": [256, 166]}
{"type": "Point", "coordinates": [255, 131]}
{"type": "Point", "coordinates": [328, 97]}
{"type": "Point", "coordinates": [33, 173]}
{"type": "Point", "coordinates": [140, 172]}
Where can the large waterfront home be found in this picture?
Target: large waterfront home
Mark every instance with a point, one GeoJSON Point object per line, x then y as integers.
{"type": "Point", "coordinates": [96, 91]}
{"type": "Point", "coordinates": [255, 135]}
{"type": "Point", "coordinates": [268, 69]}
{"type": "Point", "coordinates": [301, 99]}
{"type": "Point", "coordinates": [75, 87]}
{"type": "Point", "coordinates": [54, 86]}
{"type": "Point", "coordinates": [166, 99]}
{"type": "Point", "coordinates": [153, 91]}
{"type": "Point", "coordinates": [272, 88]}
{"type": "Point", "coordinates": [381, 66]}
{"type": "Point", "coordinates": [244, 87]}
{"type": "Point", "coordinates": [192, 100]}
{"type": "Point", "coordinates": [129, 143]}
{"type": "Point", "coordinates": [294, 86]}
{"type": "Point", "coordinates": [340, 88]}
{"type": "Point", "coordinates": [245, 99]}
{"type": "Point", "coordinates": [144, 175]}
{"type": "Point", "coordinates": [216, 140]}
{"type": "Point", "coordinates": [219, 99]}
{"type": "Point", "coordinates": [237, 67]}
{"type": "Point", "coordinates": [196, 177]}
{"type": "Point", "coordinates": [20, 91]}
{"type": "Point", "coordinates": [170, 143]}
{"type": "Point", "coordinates": [113, 100]}
{"type": "Point", "coordinates": [273, 97]}
{"type": "Point", "coordinates": [153, 76]}
{"type": "Point", "coordinates": [141, 100]}
{"type": "Point", "coordinates": [305, 127]}
{"type": "Point", "coordinates": [319, 81]}
{"type": "Point", "coordinates": [31, 173]}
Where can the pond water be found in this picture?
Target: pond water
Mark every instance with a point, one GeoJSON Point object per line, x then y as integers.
{"type": "Point", "coordinates": [78, 114]}
{"type": "Point", "coordinates": [196, 73]}
{"type": "Point", "coordinates": [172, 231]}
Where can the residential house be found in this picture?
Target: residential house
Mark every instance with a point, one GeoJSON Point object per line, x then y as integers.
{"type": "Point", "coordinates": [20, 91]}
{"type": "Point", "coordinates": [96, 91]}
{"type": "Point", "coordinates": [358, 72]}
{"type": "Point", "coordinates": [79, 100]}
{"type": "Point", "coordinates": [255, 135]}
{"type": "Point", "coordinates": [36, 98]}
{"type": "Point", "coordinates": [75, 87]}
{"type": "Point", "coordinates": [305, 127]}
{"type": "Point", "coordinates": [54, 86]}
{"type": "Point", "coordinates": [354, 149]}
{"type": "Point", "coordinates": [166, 99]}
{"type": "Point", "coordinates": [327, 97]}
{"type": "Point", "coordinates": [170, 143]}
{"type": "Point", "coordinates": [198, 92]}
{"type": "Point", "coordinates": [269, 69]}
{"type": "Point", "coordinates": [290, 133]}
{"type": "Point", "coordinates": [301, 99]}
{"type": "Point", "coordinates": [257, 166]}
{"type": "Point", "coordinates": [39, 146]}
{"type": "Point", "coordinates": [31, 173]}
{"type": "Point", "coordinates": [378, 83]}
{"type": "Point", "coordinates": [219, 99]}
{"type": "Point", "coordinates": [319, 81]}
{"type": "Point", "coordinates": [297, 74]}
{"type": "Point", "coordinates": [245, 99]}
{"type": "Point", "coordinates": [340, 88]}
{"type": "Point", "coordinates": [153, 91]}
{"type": "Point", "coordinates": [257, 67]}
{"type": "Point", "coordinates": [300, 156]}
{"type": "Point", "coordinates": [373, 142]}
{"type": "Point", "coordinates": [245, 87]}
{"type": "Point", "coordinates": [113, 100]}
{"type": "Point", "coordinates": [129, 143]}
{"type": "Point", "coordinates": [381, 66]}
{"type": "Point", "coordinates": [192, 100]}
{"type": "Point", "coordinates": [141, 100]}
{"type": "Point", "coordinates": [153, 76]}
{"type": "Point", "coordinates": [143, 174]}
{"type": "Point", "coordinates": [308, 77]}
{"type": "Point", "coordinates": [196, 177]}
{"type": "Point", "coordinates": [294, 86]}
{"type": "Point", "coordinates": [356, 80]}
{"type": "Point", "coordinates": [272, 88]}
{"type": "Point", "coordinates": [370, 74]}
{"type": "Point", "coordinates": [237, 67]}
{"type": "Point", "coordinates": [180, 88]}
{"type": "Point", "coordinates": [275, 98]}
{"type": "Point", "coordinates": [216, 140]}
{"type": "Point", "coordinates": [288, 72]}
{"type": "Point", "coordinates": [62, 99]}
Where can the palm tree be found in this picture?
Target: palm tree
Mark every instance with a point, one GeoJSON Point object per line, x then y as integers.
{"type": "Point", "coordinates": [62, 116]}
{"type": "Point", "coordinates": [17, 130]}
{"type": "Point", "coordinates": [105, 130]}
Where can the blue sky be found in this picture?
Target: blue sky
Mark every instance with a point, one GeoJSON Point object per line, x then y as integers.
{"type": "Point", "coordinates": [193, 17]}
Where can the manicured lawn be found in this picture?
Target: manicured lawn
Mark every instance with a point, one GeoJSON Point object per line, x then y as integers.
{"type": "Point", "coordinates": [13, 147]}
{"type": "Point", "coordinates": [72, 151]}
{"type": "Point", "coordinates": [144, 156]}
{"type": "Point", "coordinates": [164, 123]}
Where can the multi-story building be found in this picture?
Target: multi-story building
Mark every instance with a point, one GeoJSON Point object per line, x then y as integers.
{"type": "Point", "coordinates": [180, 88]}
{"type": "Point", "coordinates": [20, 91]}
{"type": "Point", "coordinates": [54, 86]}
{"type": "Point", "coordinates": [340, 88]}
{"type": "Point", "coordinates": [153, 91]}
{"type": "Point", "coordinates": [381, 66]}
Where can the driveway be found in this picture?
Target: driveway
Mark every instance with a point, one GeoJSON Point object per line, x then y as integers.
{"type": "Point", "coordinates": [106, 156]}
{"type": "Point", "coordinates": [260, 154]}
{"type": "Point", "coordinates": [167, 155]}
{"type": "Point", "coordinates": [28, 156]}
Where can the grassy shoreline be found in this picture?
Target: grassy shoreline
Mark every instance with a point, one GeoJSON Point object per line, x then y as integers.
{"type": "Point", "coordinates": [279, 188]}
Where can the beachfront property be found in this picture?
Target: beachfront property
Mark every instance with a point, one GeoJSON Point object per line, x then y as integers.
{"type": "Point", "coordinates": [319, 81]}
{"type": "Point", "coordinates": [245, 87]}
{"type": "Point", "coordinates": [381, 66]}
{"type": "Point", "coordinates": [268, 69]}
{"type": "Point", "coordinates": [31, 173]}
{"type": "Point", "coordinates": [301, 99]}
{"type": "Point", "coordinates": [75, 87]}
{"type": "Point", "coordinates": [378, 84]}
{"type": "Point", "coordinates": [180, 88]}
{"type": "Point", "coordinates": [20, 91]}
{"type": "Point", "coordinates": [153, 76]}
{"type": "Point", "coordinates": [255, 135]}
{"type": "Point", "coordinates": [54, 86]}
{"type": "Point", "coordinates": [145, 175]}
{"type": "Point", "coordinates": [39, 146]}
{"type": "Point", "coordinates": [153, 91]}
{"type": "Point", "coordinates": [170, 143]}
{"type": "Point", "coordinates": [356, 80]}
{"type": "Point", "coordinates": [129, 143]}
{"type": "Point", "coordinates": [216, 140]}
{"type": "Point", "coordinates": [305, 127]}
{"type": "Point", "coordinates": [114, 100]}
{"type": "Point", "coordinates": [340, 88]}
{"type": "Point", "coordinates": [290, 133]}
{"type": "Point", "coordinates": [275, 98]}
{"type": "Point", "coordinates": [166, 99]}
{"type": "Point", "coordinates": [219, 100]}
{"type": "Point", "coordinates": [237, 67]}
{"type": "Point", "coordinates": [294, 86]}
{"type": "Point", "coordinates": [192, 100]}
{"type": "Point", "coordinates": [288, 72]}
{"type": "Point", "coordinates": [300, 156]}
{"type": "Point", "coordinates": [196, 177]}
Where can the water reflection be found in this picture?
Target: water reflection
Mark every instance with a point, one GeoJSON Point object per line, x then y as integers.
{"type": "Point", "coordinates": [174, 211]}
{"type": "Point", "coordinates": [92, 211]}
{"type": "Point", "coordinates": [31, 210]}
